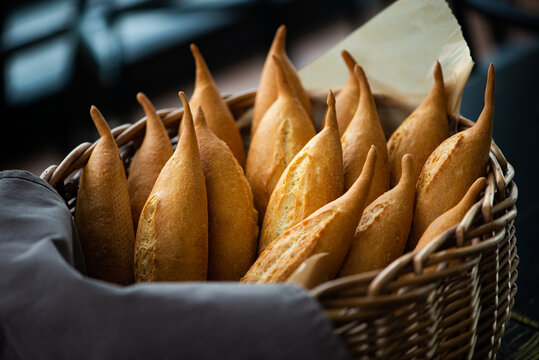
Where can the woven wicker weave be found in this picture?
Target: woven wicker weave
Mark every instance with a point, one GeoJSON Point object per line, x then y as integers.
{"type": "Point", "coordinates": [450, 300]}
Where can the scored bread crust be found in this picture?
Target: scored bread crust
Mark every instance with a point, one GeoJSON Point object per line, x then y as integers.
{"type": "Point", "coordinates": [383, 229]}
{"type": "Point", "coordinates": [267, 87]}
{"type": "Point", "coordinates": [103, 211]}
{"type": "Point", "coordinates": [148, 160]}
{"type": "Point", "coordinates": [283, 132]}
{"type": "Point", "coordinates": [422, 131]}
{"type": "Point", "coordinates": [452, 216]}
{"type": "Point", "coordinates": [232, 218]}
{"type": "Point", "coordinates": [330, 230]}
{"type": "Point", "coordinates": [172, 235]}
{"type": "Point", "coordinates": [348, 98]}
{"type": "Point", "coordinates": [452, 168]}
{"type": "Point", "coordinates": [218, 116]}
{"type": "Point", "coordinates": [363, 131]}
{"type": "Point", "coordinates": [312, 179]}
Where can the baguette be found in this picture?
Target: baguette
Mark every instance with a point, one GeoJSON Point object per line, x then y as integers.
{"type": "Point", "coordinates": [347, 99]}
{"type": "Point", "coordinates": [330, 230]}
{"type": "Point", "coordinates": [267, 87]}
{"type": "Point", "coordinates": [421, 132]}
{"type": "Point", "coordinates": [312, 179]}
{"type": "Point", "coordinates": [451, 169]}
{"type": "Point", "coordinates": [383, 229]}
{"type": "Point", "coordinates": [172, 234]}
{"type": "Point", "coordinates": [217, 113]}
{"type": "Point", "coordinates": [363, 131]}
{"type": "Point", "coordinates": [103, 211]}
{"type": "Point", "coordinates": [148, 160]}
{"type": "Point", "coordinates": [283, 132]}
{"type": "Point", "coordinates": [232, 218]}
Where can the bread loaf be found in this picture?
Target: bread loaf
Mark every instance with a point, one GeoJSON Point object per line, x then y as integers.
{"type": "Point", "coordinates": [422, 131]}
{"type": "Point", "coordinates": [452, 216]}
{"type": "Point", "coordinates": [384, 226]}
{"type": "Point", "coordinates": [148, 160]}
{"type": "Point", "coordinates": [103, 212]}
{"type": "Point", "coordinates": [363, 131]}
{"type": "Point", "coordinates": [451, 169]}
{"type": "Point", "coordinates": [348, 98]}
{"type": "Point", "coordinates": [267, 87]}
{"type": "Point", "coordinates": [172, 234]}
{"type": "Point", "coordinates": [232, 218]}
{"type": "Point", "coordinates": [312, 179]}
{"type": "Point", "coordinates": [283, 131]}
{"type": "Point", "coordinates": [218, 115]}
{"type": "Point", "coordinates": [330, 230]}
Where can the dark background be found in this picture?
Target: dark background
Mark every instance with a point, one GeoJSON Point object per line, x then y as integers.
{"type": "Point", "coordinates": [59, 57]}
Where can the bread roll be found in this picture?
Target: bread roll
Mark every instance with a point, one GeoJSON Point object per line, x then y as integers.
{"type": "Point", "coordinates": [383, 229]}
{"type": "Point", "coordinates": [330, 230]}
{"type": "Point", "coordinates": [172, 234]}
{"type": "Point", "coordinates": [451, 169]}
{"type": "Point", "coordinates": [313, 179]}
{"type": "Point", "coordinates": [422, 131]}
{"type": "Point", "coordinates": [283, 131]}
{"type": "Point", "coordinates": [218, 115]}
{"type": "Point", "coordinates": [232, 218]}
{"type": "Point", "coordinates": [267, 87]}
{"type": "Point", "coordinates": [363, 131]}
{"type": "Point", "coordinates": [148, 160]}
{"type": "Point", "coordinates": [103, 212]}
{"type": "Point", "coordinates": [348, 98]}
{"type": "Point", "coordinates": [452, 216]}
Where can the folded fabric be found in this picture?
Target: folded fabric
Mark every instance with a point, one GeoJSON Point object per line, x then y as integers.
{"type": "Point", "coordinates": [50, 310]}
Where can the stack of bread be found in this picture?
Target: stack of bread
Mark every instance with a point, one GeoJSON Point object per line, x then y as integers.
{"type": "Point", "coordinates": [211, 209]}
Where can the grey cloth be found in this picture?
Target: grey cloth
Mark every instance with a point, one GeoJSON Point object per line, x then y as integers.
{"type": "Point", "coordinates": [50, 310]}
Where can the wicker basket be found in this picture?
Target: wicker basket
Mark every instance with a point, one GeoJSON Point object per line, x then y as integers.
{"type": "Point", "coordinates": [450, 300]}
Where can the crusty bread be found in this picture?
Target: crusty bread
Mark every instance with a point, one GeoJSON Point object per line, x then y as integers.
{"type": "Point", "coordinates": [148, 160]}
{"type": "Point", "coordinates": [330, 230]}
{"type": "Point", "coordinates": [363, 131]}
{"type": "Point", "coordinates": [103, 213]}
{"type": "Point", "coordinates": [283, 131]}
{"type": "Point", "coordinates": [172, 234]}
{"type": "Point", "coordinates": [267, 87]}
{"type": "Point", "coordinates": [232, 218]}
{"type": "Point", "coordinates": [451, 169]}
{"type": "Point", "coordinates": [218, 116]}
{"type": "Point", "coordinates": [312, 179]}
{"type": "Point", "coordinates": [348, 98]}
{"type": "Point", "coordinates": [383, 229]}
{"type": "Point", "coordinates": [422, 131]}
{"type": "Point", "coordinates": [452, 216]}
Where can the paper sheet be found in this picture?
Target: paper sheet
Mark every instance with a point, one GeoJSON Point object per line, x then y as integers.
{"type": "Point", "coordinates": [398, 49]}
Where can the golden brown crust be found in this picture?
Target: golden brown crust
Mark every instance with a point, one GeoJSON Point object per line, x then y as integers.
{"type": "Point", "coordinates": [452, 216]}
{"type": "Point", "coordinates": [172, 235]}
{"type": "Point", "coordinates": [313, 179]}
{"type": "Point", "coordinates": [451, 169]}
{"type": "Point", "coordinates": [363, 131]}
{"type": "Point", "coordinates": [330, 229]}
{"type": "Point", "coordinates": [267, 87]}
{"type": "Point", "coordinates": [232, 218]}
{"type": "Point", "coordinates": [103, 214]}
{"type": "Point", "coordinates": [348, 98]}
{"type": "Point", "coordinates": [383, 229]}
{"type": "Point", "coordinates": [422, 131]}
{"type": "Point", "coordinates": [148, 160]}
{"type": "Point", "coordinates": [218, 116]}
{"type": "Point", "coordinates": [283, 131]}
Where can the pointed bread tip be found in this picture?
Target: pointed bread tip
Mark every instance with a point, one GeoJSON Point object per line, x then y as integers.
{"type": "Point", "coordinates": [331, 115]}
{"type": "Point", "coordinates": [145, 103]}
{"type": "Point", "coordinates": [187, 117]}
{"type": "Point", "coordinates": [99, 121]}
{"type": "Point", "coordinates": [200, 119]}
{"type": "Point", "coordinates": [438, 74]}
{"type": "Point", "coordinates": [365, 89]}
{"type": "Point", "coordinates": [489, 91]}
{"type": "Point", "coordinates": [283, 88]}
{"type": "Point", "coordinates": [407, 165]}
{"type": "Point", "coordinates": [349, 60]}
{"type": "Point", "coordinates": [279, 40]}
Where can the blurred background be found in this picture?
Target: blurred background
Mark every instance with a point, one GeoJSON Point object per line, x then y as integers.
{"type": "Point", "coordinates": [61, 56]}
